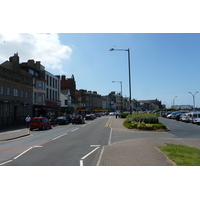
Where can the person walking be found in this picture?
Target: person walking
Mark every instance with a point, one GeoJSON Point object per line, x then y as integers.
{"type": "Point", "coordinates": [28, 119]}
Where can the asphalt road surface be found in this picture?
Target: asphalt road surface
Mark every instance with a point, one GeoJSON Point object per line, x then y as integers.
{"type": "Point", "coordinates": [182, 129]}
{"type": "Point", "coordinates": [64, 145]}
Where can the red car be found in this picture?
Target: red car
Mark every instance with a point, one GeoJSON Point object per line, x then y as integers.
{"type": "Point", "coordinates": [40, 123]}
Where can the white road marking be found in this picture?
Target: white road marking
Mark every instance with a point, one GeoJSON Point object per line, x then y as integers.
{"type": "Point", "coordinates": [23, 153]}
{"type": "Point", "coordinates": [84, 125]}
{"type": "Point", "coordinates": [26, 151]}
{"type": "Point", "coordinates": [6, 162]}
{"type": "Point", "coordinates": [59, 136]}
{"type": "Point", "coordinates": [75, 130]}
{"type": "Point", "coordinates": [81, 160]}
{"type": "Point", "coordinates": [94, 145]}
{"type": "Point", "coordinates": [110, 136]}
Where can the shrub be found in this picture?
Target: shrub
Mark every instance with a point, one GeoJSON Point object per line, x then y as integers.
{"type": "Point", "coordinates": [143, 126]}
{"type": "Point", "coordinates": [124, 115]}
{"type": "Point", "coordinates": [143, 117]}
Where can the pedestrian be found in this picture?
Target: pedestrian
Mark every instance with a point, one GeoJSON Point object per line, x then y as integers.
{"type": "Point", "coordinates": [28, 119]}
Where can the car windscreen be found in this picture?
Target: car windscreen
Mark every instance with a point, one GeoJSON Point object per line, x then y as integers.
{"type": "Point", "coordinates": [60, 117]}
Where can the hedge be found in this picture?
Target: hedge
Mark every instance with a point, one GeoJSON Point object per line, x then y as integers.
{"type": "Point", "coordinates": [143, 121]}
{"type": "Point", "coordinates": [143, 117]}
{"type": "Point", "coordinates": [143, 126]}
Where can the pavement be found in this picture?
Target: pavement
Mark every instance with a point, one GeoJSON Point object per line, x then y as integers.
{"type": "Point", "coordinates": [138, 148]}
{"type": "Point", "coordinates": [126, 147]}
{"type": "Point", "coordinates": [13, 132]}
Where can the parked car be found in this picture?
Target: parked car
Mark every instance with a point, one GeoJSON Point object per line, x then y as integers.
{"type": "Point", "coordinates": [165, 114]}
{"type": "Point", "coordinates": [40, 123]}
{"type": "Point", "coordinates": [52, 120]}
{"type": "Point", "coordinates": [184, 117]}
{"type": "Point", "coordinates": [177, 116]}
{"type": "Point", "coordinates": [197, 121]}
{"type": "Point", "coordinates": [173, 115]}
{"type": "Point", "coordinates": [89, 117]}
{"type": "Point", "coordinates": [193, 116]}
{"type": "Point", "coordinates": [79, 119]}
{"type": "Point", "coordinates": [69, 118]}
{"type": "Point", "coordinates": [169, 116]}
{"type": "Point", "coordinates": [62, 120]}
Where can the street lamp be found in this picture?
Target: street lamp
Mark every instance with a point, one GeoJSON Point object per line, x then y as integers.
{"type": "Point", "coordinates": [174, 100]}
{"type": "Point", "coordinates": [129, 71]}
{"type": "Point", "coordinates": [193, 95]}
{"type": "Point", "coordinates": [121, 91]}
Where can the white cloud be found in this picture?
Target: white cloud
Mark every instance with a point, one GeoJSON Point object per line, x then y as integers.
{"type": "Point", "coordinates": [43, 47]}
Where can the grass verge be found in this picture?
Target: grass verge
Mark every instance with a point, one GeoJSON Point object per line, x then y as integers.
{"type": "Point", "coordinates": [182, 155]}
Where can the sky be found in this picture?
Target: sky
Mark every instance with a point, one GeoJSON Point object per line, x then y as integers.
{"type": "Point", "coordinates": [74, 37]}
{"type": "Point", "coordinates": [163, 65]}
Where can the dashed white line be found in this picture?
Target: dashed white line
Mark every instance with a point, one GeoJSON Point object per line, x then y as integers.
{"type": "Point", "coordinates": [75, 129]}
{"type": "Point", "coordinates": [59, 136]}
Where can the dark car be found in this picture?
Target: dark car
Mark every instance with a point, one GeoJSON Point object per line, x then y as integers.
{"type": "Point", "coordinates": [69, 118]}
{"type": "Point", "coordinates": [40, 123]}
{"type": "Point", "coordinates": [89, 117]}
{"type": "Point", "coordinates": [79, 119]}
{"type": "Point", "coordinates": [62, 120]}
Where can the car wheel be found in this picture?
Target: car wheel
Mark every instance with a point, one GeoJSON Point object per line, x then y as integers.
{"type": "Point", "coordinates": [50, 127]}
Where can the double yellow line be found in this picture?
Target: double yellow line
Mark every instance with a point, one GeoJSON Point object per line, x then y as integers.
{"type": "Point", "coordinates": [108, 122]}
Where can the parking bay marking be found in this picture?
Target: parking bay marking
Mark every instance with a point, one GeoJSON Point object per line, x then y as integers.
{"type": "Point", "coordinates": [81, 160]}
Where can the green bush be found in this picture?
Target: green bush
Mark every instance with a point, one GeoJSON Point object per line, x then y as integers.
{"type": "Point", "coordinates": [124, 115]}
{"type": "Point", "coordinates": [143, 126]}
{"type": "Point", "coordinates": [143, 117]}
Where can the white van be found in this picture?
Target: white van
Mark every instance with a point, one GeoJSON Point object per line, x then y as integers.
{"type": "Point", "coordinates": [193, 116]}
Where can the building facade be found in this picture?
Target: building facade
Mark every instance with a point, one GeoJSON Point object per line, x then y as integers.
{"type": "Point", "coordinates": [37, 71]}
{"type": "Point", "coordinates": [16, 93]}
{"type": "Point", "coordinates": [52, 101]}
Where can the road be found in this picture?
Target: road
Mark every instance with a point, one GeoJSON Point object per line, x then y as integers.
{"type": "Point", "coordinates": [182, 129]}
{"type": "Point", "coordinates": [67, 145]}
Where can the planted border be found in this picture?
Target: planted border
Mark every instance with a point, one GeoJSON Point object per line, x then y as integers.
{"type": "Point", "coordinates": [143, 121]}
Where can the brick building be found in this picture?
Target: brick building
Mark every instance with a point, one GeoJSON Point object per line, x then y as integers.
{"type": "Point", "coordinates": [16, 92]}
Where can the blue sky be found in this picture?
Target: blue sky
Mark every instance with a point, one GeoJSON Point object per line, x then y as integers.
{"type": "Point", "coordinates": [162, 65]}
{"type": "Point", "coordinates": [164, 49]}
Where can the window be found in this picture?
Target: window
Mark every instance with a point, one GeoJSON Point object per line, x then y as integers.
{"type": "Point", "coordinates": [47, 80]}
{"type": "Point", "coordinates": [31, 71]}
{"type": "Point", "coordinates": [47, 93]}
{"type": "Point", "coordinates": [26, 94]}
{"type": "Point", "coordinates": [40, 98]}
{"type": "Point", "coordinates": [22, 93]}
{"type": "Point", "coordinates": [8, 91]}
{"type": "Point", "coordinates": [1, 89]}
{"type": "Point", "coordinates": [1, 109]}
{"type": "Point", "coordinates": [15, 92]}
{"type": "Point", "coordinates": [40, 85]}
{"type": "Point", "coordinates": [50, 81]}
{"type": "Point", "coordinates": [7, 108]}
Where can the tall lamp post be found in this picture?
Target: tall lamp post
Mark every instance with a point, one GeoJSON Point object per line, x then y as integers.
{"type": "Point", "coordinates": [129, 72]}
{"type": "Point", "coordinates": [121, 91]}
{"type": "Point", "coordinates": [174, 100]}
{"type": "Point", "coordinates": [193, 95]}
